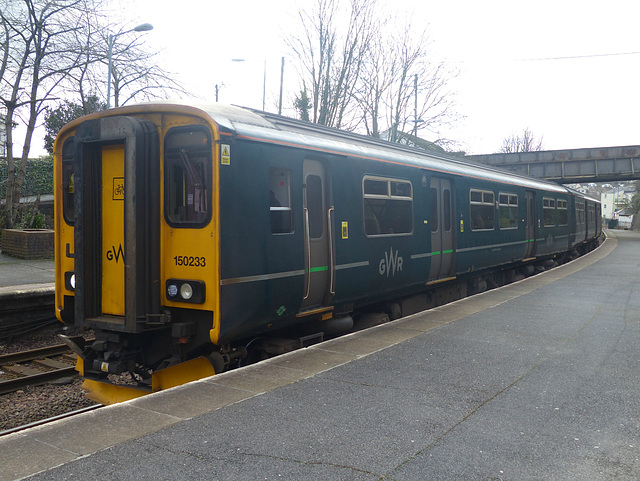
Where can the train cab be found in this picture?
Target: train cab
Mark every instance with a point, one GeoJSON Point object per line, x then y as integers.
{"type": "Point", "coordinates": [132, 191]}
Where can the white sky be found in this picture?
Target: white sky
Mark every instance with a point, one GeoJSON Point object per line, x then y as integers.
{"type": "Point", "coordinates": [517, 61]}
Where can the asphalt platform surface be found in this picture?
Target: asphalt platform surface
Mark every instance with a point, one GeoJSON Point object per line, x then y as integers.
{"type": "Point", "coordinates": [538, 380]}
{"type": "Point", "coordinates": [20, 272]}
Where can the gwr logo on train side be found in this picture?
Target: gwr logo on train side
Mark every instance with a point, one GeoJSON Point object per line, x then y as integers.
{"type": "Point", "coordinates": [390, 264]}
{"type": "Point", "coordinates": [115, 254]}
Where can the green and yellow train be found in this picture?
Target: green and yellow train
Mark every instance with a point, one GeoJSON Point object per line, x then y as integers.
{"type": "Point", "coordinates": [192, 239]}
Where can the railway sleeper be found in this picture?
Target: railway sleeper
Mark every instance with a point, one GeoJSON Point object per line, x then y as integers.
{"type": "Point", "coordinates": [20, 370]}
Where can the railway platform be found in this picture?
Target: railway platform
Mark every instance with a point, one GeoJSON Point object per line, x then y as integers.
{"type": "Point", "coordinates": [19, 272]}
{"type": "Point", "coordinates": [27, 290]}
{"type": "Point", "coordinates": [535, 380]}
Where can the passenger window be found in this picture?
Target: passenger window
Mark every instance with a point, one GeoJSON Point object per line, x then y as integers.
{"type": "Point", "coordinates": [187, 171]}
{"type": "Point", "coordinates": [446, 206]}
{"type": "Point", "coordinates": [482, 209]}
{"type": "Point", "coordinates": [434, 210]}
{"type": "Point", "coordinates": [280, 201]}
{"type": "Point", "coordinates": [532, 212]}
{"type": "Point", "coordinates": [508, 211]}
{"type": "Point", "coordinates": [68, 179]}
{"type": "Point", "coordinates": [562, 212]}
{"type": "Point", "coordinates": [591, 213]}
{"type": "Point", "coordinates": [549, 212]}
{"type": "Point", "coordinates": [314, 206]}
{"type": "Point", "coordinates": [388, 206]}
{"type": "Point", "coordinates": [579, 212]}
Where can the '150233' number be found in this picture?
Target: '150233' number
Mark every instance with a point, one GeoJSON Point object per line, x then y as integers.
{"type": "Point", "coordinates": [190, 261]}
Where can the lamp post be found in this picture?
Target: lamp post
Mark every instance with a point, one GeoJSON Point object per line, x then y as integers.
{"type": "Point", "coordinates": [145, 27]}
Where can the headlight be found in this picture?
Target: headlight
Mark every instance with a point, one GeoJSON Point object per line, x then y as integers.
{"type": "Point", "coordinates": [70, 280]}
{"type": "Point", "coordinates": [181, 290]}
{"type": "Point", "coordinates": [186, 291]}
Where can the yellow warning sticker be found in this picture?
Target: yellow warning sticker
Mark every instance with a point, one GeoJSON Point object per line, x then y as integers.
{"type": "Point", "coordinates": [225, 154]}
{"type": "Point", "coordinates": [345, 230]}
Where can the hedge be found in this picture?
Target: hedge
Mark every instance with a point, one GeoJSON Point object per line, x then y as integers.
{"type": "Point", "coordinates": [38, 178]}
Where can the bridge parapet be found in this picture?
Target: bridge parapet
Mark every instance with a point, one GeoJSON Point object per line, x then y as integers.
{"type": "Point", "coordinates": [603, 164]}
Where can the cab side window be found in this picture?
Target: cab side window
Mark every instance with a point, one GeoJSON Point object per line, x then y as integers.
{"type": "Point", "coordinates": [68, 188]}
{"type": "Point", "coordinates": [187, 173]}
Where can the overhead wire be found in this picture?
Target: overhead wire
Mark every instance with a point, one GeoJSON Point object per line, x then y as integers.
{"type": "Point", "coordinates": [571, 57]}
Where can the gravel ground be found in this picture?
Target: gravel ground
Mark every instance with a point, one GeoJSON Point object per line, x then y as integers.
{"type": "Point", "coordinates": [40, 402]}
{"type": "Point", "coordinates": [47, 336]}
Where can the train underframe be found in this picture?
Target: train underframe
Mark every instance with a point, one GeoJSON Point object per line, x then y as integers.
{"type": "Point", "coordinates": [119, 366]}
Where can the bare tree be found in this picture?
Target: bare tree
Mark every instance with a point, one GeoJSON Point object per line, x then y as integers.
{"type": "Point", "coordinates": [405, 91]}
{"type": "Point", "coordinates": [377, 77]}
{"type": "Point", "coordinates": [380, 81]}
{"type": "Point", "coordinates": [48, 52]}
{"type": "Point", "coordinates": [35, 32]}
{"type": "Point", "coordinates": [83, 83]}
{"type": "Point", "coordinates": [525, 142]}
{"type": "Point", "coordinates": [405, 57]}
{"type": "Point", "coordinates": [331, 57]}
{"type": "Point", "coordinates": [136, 76]}
{"type": "Point", "coordinates": [13, 61]}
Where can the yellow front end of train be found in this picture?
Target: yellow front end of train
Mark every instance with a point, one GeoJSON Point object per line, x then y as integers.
{"type": "Point", "coordinates": [137, 249]}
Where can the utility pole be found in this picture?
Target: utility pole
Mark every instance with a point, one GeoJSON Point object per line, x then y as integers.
{"type": "Point", "coordinates": [281, 80]}
{"type": "Point", "coordinates": [415, 110]}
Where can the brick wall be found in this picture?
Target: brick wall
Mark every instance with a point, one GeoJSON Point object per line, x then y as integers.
{"type": "Point", "coordinates": [27, 243]}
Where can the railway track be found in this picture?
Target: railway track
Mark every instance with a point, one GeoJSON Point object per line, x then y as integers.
{"type": "Point", "coordinates": [35, 367]}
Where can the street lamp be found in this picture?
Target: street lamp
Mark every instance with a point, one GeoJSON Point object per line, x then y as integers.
{"type": "Point", "coordinates": [145, 27]}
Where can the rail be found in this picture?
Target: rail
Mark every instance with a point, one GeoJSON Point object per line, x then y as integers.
{"type": "Point", "coordinates": [25, 377]}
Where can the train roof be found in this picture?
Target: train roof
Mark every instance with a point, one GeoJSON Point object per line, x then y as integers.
{"type": "Point", "coordinates": [267, 127]}
{"type": "Point", "coordinates": [577, 193]}
{"type": "Point", "coordinates": [262, 126]}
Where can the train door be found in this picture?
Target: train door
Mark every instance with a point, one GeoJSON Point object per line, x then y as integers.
{"type": "Point", "coordinates": [591, 220]}
{"type": "Point", "coordinates": [112, 226]}
{"type": "Point", "coordinates": [317, 235]}
{"type": "Point", "coordinates": [116, 254]}
{"type": "Point", "coordinates": [530, 223]}
{"type": "Point", "coordinates": [571, 220]}
{"type": "Point", "coordinates": [587, 221]}
{"type": "Point", "coordinates": [442, 231]}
